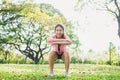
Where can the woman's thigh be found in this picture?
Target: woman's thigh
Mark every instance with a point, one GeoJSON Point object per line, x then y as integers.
{"type": "Point", "coordinates": [65, 55]}
{"type": "Point", "coordinates": [53, 55]}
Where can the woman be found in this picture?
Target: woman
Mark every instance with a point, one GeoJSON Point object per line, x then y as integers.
{"type": "Point", "coordinates": [59, 41]}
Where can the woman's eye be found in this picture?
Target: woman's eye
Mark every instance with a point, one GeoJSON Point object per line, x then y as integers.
{"type": "Point", "coordinates": [58, 30]}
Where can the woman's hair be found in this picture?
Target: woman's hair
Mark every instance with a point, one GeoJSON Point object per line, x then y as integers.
{"type": "Point", "coordinates": [59, 25]}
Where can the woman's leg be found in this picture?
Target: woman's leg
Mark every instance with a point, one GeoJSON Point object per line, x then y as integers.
{"type": "Point", "coordinates": [66, 59]}
{"type": "Point", "coordinates": [52, 57]}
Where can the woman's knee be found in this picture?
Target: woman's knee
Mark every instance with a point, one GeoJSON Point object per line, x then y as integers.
{"type": "Point", "coordinates": [66, 55]}
{"type": "Point", "coordinates": [52, 55]}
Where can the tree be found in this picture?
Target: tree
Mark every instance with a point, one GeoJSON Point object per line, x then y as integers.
{"type": "Point", "coordinates": [113, 57]}
{"type": "Point", "coordinates": [28, 33]}
{"type": "Point", "coordinates": [4, 53]}
{"type": "Point", "coordinates": [11, 9]}
{"type": "Point", "coordinates": [115, 11]}
{"type": "Point", "coordinates": [110, 51]}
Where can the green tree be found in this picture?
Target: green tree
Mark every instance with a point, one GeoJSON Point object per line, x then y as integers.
{"type": "Point", "coordinates": [28, 33]}
{"type": "Point", "coordinates": [113, 57]}
{"type": "Point", "coordinates": [8, 12]}
{"type": "Point", "coordinates": [26, 36]}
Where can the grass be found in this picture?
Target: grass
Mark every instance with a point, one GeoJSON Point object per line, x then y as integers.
{"type": "Point", "coordinates": [77, 72]}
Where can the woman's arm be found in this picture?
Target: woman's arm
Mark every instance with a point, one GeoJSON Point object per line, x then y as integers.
{"type": "Point", "coordinates": [62, 42]}
{"type": "Point", "coordinates": [59, 40]}
{"type": "Point", "coordinates": [52, 40]}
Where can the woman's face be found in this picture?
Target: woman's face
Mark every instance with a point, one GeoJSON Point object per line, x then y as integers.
{"type": "Point", "coordinates": [59, 32]}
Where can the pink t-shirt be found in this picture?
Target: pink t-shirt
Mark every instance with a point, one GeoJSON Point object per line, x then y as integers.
{"type": "Point", "coordinates": [55, 47]}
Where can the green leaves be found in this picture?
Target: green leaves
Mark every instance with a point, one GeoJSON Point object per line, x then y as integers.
{"type": "Point", "coordinates": [27, 25]}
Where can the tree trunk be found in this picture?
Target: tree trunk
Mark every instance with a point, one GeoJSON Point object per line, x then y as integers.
{"type": "Point", "coordinates": [25, 60]}
{"type": "Point", "coordinates": [6, 54]}
{"type": "Point", "coordinates": [36, 60]}
{"type": "Point", "coordinates": [110, 45]}
{"type": "Point", "coordinates": [118, 26]}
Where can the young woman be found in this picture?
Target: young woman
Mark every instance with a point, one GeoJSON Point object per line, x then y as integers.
{"type": "Point", "coordinates": [59, 41]}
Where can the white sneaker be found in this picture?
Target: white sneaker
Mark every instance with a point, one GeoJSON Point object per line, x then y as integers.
{"type": "Point", "coordinates": [66, 74]}
{"type": "Point", "coordinates": [51, 74]}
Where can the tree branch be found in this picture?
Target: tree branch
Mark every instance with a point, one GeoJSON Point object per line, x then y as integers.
{"type": "Point", "coordinates": [115, 2]}
{"type": "Point", "coordinates": [108, 9]}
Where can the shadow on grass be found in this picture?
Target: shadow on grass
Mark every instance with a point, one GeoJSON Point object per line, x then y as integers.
{"type": "Point", "coordinates": [55, 77]}
{"type": "Point", "coordinates": [59, 77]}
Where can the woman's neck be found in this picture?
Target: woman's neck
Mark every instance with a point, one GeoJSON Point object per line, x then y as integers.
{"type": "Point", "coordinates": [59, 37]}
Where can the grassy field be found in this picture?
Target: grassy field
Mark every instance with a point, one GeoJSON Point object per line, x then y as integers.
{"type": "Point", "coordinates": [77, 72]}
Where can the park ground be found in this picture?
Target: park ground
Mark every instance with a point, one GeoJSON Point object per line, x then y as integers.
{"type": "Point", "coordinates": [77, 72]}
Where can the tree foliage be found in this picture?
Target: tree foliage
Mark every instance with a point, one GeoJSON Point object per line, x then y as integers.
{"type": "Point", "coordinates": [26, 26]}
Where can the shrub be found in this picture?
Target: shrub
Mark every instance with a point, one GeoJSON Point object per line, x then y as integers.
{"type": "Point", "coordinates": [1, 60]}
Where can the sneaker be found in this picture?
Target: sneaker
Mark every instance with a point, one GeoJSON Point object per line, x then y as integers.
{"type": "Point", "coordinates": [51, 74]}
{"type": "Point", "coordinates": [66, 74]}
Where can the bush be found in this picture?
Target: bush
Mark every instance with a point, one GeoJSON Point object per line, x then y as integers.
{"type": "Point", "coordinates": [74, 60]}
{"type": "Point", "coordinates": [86, 61]}
{"type": "Point", "coordinates": [1, 60]}
{"type": "Point", "coordinates": [118, 63]}
{"type": "Point", "coordinates": [43, 62]}
{"type": "Point", "coordinates": [58, 61]}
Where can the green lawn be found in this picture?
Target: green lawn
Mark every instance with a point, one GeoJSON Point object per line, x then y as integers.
{"type": "Point", "coordinates": [77, 72]}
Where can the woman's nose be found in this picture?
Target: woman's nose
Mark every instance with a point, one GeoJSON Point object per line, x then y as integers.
{"type": "Point", "coordinates": [59, 31]}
